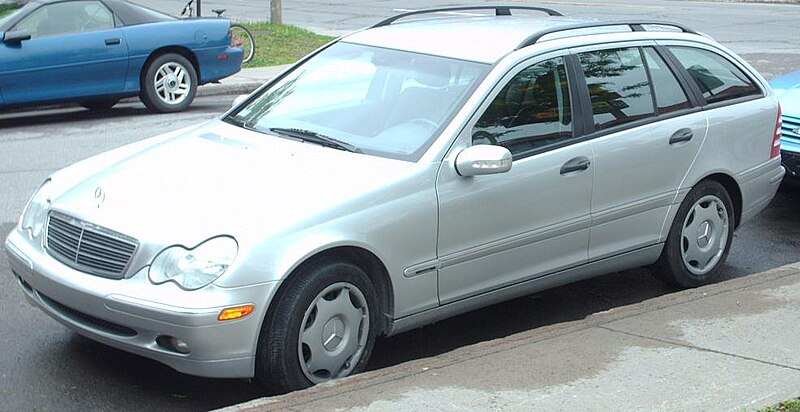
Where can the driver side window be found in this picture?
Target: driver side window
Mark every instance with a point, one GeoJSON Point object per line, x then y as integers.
{"type": "Point", "coordinates": [68, 17]}
{"type": "Point", "coordinates": [531, 112]}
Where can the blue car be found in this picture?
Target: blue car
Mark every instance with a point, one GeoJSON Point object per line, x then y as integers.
{"type": "Point", "coordinates": [788, 90]}
{"type": "Point", "coordinates": [95, 52]}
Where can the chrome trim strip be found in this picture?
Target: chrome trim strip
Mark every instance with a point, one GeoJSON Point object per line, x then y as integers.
{"type": "Point", "coordinates": [515, 241]}
{"type": "Point", "coordinates": [633, 208]}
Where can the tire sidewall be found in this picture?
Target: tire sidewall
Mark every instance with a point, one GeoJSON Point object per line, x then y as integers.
{"type": "Point", "coordinates": [278, 367]}
{"type": "Point", "coordinates": [150, 97]}
{"type": "Point", "coordinates": [673, 253]}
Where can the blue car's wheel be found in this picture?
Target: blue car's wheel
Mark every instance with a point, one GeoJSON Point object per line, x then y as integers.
{"type": "Point", "coordinates": [169, 84]}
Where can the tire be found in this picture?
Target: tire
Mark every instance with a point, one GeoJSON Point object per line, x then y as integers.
{"type": "Point", "coordinates": [699, 239]}
{"type": "Point", "coordinates": [169, 84]}
{"type": "Point", "coordinates": [321, 326]}
{"type": "Point", "coordinates": [241, 37]}
{"type": "Point", "coordinates": [100, 105]}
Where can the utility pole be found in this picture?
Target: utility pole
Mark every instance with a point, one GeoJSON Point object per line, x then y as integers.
{"type": "Point", "coordinates": [275, 12]}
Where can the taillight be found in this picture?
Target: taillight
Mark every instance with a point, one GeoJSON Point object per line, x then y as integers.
{"type": "Point", "coordinates": [776, 139]}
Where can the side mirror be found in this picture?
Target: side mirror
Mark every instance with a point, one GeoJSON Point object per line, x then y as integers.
{"type": "Point", "coordinates": [483, 159]}
{"type": "Point", "coordinates": [239, 99]}
{"type": "Point", "coordinates": [16, 36]}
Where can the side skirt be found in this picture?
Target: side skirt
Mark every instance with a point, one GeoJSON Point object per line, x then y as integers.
{"type": "Point", "coordinates": [627, 260]}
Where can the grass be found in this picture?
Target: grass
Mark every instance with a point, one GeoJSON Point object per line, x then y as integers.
{"type": "Point", "coordinates": [279, 44]}
{"type": "Point", "coordinates": [792, 405]}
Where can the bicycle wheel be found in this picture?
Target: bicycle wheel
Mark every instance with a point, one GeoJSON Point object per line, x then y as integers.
{"type": "Point", "coordinates": [241, 37]}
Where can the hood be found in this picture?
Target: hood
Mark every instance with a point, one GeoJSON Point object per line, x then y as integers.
{"type": "Point", "coordinates": [787, 88]}
{"type": "Point", "coordinates": [217, 179]}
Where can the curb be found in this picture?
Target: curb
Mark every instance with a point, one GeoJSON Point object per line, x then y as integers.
{"type": "Point", "coordinates": [367, 380]}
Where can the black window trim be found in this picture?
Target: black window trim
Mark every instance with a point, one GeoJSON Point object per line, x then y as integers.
{"type": "Point", "coordinates": [687, 78]}
{"type": "Point", "coordinates": [685, 86]}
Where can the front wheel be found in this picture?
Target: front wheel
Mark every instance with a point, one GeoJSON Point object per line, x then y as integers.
{"type": "Point", "coordinates": [241, 37]}
{"type": "Point", "coordinates": [322, 326]}
{"type": "Point", "coordinates": [699, 239]}
{"type": "Point", "coordinates": [169, 84]}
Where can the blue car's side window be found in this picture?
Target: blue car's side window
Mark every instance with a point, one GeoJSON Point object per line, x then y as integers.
{"type": "Point", "coordinates": [67, 17]}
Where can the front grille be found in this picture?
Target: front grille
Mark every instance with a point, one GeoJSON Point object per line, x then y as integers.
{"type": "Point", "coordinates": [790, 125]}
{"type": "Point", "coordinates": [87, 247]}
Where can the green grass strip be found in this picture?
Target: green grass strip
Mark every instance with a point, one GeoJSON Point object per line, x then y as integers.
{"type": "Point", "coordinates": [280, 44]}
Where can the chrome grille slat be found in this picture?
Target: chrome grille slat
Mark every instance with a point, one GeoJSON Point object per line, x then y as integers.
{"type": "Point", "coordinates": [790, 124]}
{"type": "Point", "coordinates": [88, 248]}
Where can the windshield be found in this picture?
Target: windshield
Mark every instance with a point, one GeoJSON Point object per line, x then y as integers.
{"type": "Point", "coordinates": [377, 101]}
{"type": "Point", "coordinates": [8, 10]}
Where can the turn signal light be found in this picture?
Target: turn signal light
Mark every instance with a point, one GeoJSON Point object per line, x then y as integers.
{"type": "Point", "coordinates": [236, 312]}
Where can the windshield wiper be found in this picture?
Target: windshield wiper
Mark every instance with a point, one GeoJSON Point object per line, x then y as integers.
{"type": "Point", "coordinates": [314, 137]}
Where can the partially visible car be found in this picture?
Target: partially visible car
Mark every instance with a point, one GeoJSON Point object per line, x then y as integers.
{"type": "Point", "coordinates": [96, 52]}
{"type": "Point", "coordinates": [787, 88]}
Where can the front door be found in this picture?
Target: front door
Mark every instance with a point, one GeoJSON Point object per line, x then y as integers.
{"type": "Point", "coordinates": [497, 230]}
{"type": "Point", "coordinates": [75, 51]}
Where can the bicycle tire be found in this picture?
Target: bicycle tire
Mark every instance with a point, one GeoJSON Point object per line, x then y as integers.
{"type": "Point", "coordinates": [241, 37]}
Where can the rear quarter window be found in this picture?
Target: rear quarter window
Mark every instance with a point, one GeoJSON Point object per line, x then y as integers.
{"type": "Point", "coordinates": [717, 78]}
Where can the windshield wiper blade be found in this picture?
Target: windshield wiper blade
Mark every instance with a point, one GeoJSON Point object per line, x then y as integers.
{"type": "Point", "coordinates": [314, 137]}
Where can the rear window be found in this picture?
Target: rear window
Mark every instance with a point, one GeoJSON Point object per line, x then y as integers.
{"type": "Point", "coordinates": [718, 79]}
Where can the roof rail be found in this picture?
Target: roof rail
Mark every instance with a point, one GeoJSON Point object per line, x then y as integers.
{"type": "Point", "coordinates": [634, 25]}
{"type": "Point", "coordinates": [499, 10]}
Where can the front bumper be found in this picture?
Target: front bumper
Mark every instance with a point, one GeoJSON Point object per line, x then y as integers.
{"type": "Point", "coordinates": [136, 316]}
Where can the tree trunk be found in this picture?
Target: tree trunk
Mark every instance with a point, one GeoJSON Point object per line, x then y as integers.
{"type": "Point", "coordinates": [275, 12]}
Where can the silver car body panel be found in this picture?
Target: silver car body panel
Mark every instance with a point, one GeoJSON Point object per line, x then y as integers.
{"type": "Point", "coordinates": [449, 243]}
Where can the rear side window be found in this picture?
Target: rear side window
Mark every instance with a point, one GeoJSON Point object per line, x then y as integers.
{"type": "Point", "coordinates": [670, 96]}
{"type": "Point", "coordinates": [618, 86]}
{"type": "Point", "coordinates": [718, 79]}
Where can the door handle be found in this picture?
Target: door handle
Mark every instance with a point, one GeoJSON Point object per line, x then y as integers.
{"type": "Point", "coordinates": [682, 135]}
{"type": "Point", "coordinates": [111, 42]}
{"type": "Point", "coordinates": [577, 164]}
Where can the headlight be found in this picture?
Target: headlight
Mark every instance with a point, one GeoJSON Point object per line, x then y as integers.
{"type": "Point", "coordinates": [194, 268]}
{"type": "Point", "coordinates": [35, 212]}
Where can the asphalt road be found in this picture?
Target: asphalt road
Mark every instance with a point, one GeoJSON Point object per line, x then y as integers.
{"type": "Point", "coordinates": [756, 30]}
{"type": "Point", "coordinates": [44, 366]}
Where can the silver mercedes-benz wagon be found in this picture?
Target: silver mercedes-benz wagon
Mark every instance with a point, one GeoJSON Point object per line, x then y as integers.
{"type": "Point", "coordinates": [431, 164]}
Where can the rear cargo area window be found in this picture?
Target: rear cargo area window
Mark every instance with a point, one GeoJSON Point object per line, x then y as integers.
{"type": "Point", "coordinates": [718, 79]}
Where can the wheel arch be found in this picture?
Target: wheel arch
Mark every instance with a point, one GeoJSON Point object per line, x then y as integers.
{"type": "Point", "coordinates": [180, 50]}
{"type": "Point", "coordinates": [732, 187]}
{"type": "Point", "coordinates": [372, 265]}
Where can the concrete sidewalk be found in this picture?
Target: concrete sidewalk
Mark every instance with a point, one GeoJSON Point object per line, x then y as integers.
{"type": "Point", "coordinates": [244, 82]}
{"type": "Point", "coordinates": [730, 346]}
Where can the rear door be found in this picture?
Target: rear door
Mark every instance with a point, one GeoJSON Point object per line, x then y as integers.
{"type": "Point", "coordinates": [75, 51]}
{"type": "Point", "coordinates": [647, 133]}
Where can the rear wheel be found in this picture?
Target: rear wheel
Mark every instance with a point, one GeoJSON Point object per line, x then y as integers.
{"type": "Point", "coordinates": [322, 326]}
{"type": "Point", "coordinates": [169, 84]}
{"type": "Point", "coordinates": [699, 239]}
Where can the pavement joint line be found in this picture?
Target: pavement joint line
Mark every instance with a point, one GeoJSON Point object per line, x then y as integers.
{"type": "Point", "coordinates": [515, 343]}
{"type": "Point", "coordinates": [698, 348]}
